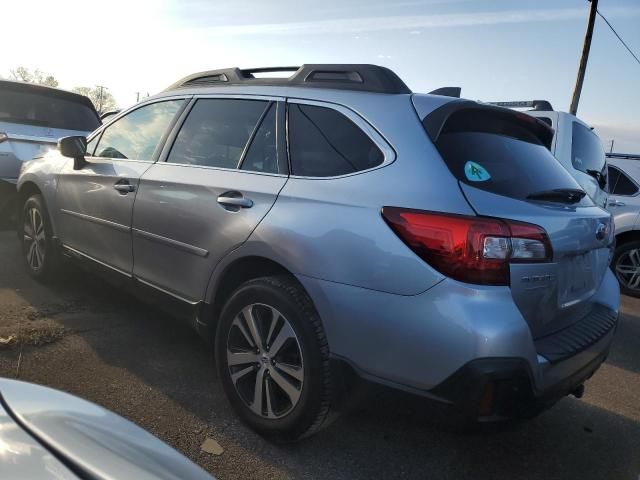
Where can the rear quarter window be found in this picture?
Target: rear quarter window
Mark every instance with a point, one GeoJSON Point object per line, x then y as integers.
{"type": "Point", "coordinates": [325, 143]}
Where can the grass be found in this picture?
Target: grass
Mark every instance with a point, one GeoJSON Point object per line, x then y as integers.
{"type": "Point", "coordinates": [34, 336]}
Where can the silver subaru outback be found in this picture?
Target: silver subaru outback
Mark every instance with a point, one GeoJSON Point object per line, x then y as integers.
{"type": "Point", "coordinates": [333, 225]}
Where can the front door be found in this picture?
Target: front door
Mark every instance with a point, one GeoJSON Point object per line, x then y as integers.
{"type": "Point", "coordinates": [222, 174]}
{"type": "Point", "coordinates": [96, 202]}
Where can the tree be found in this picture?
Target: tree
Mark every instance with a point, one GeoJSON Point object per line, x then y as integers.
{"type": "Point", "coordinates": [33, 76]}
{"type": "Point", "coordinates": [100, 96]}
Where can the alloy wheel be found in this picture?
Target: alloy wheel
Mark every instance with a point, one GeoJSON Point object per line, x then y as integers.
{"type": "Point", "coordinates": [265, 361]}
{"type": "Point", "coordinates": [34, 238]}
{"type": "Point", "coordinates": [627, 269]}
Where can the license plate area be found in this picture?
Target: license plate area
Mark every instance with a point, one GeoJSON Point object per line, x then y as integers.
{"type": "Point", "coordinates": [576, 279]}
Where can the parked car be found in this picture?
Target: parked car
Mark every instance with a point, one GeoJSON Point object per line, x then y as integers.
{"type": "Point", "coordinates": [32, 119]}
{"type": "Point", "coordinates": [575, 145]}
{"type": "Point", "coordinates": [624, 205]}
{"type": "Point", "coordinates": [334, 223]}
{"type": "Point", "coordinates": [48, 434]}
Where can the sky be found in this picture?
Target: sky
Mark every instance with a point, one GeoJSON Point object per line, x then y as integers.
{"type": "Point", "coordinates": [493, 49]}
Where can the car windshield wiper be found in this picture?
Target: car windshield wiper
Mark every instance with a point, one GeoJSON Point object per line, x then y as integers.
{"type": "Point", "coordinates": [599, 176]}
{"type": "Point", "coordinates": [560, 195]}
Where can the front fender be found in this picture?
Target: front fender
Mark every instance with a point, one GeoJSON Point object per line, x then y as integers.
{"type": "Point", "coordinates": [42, 172]}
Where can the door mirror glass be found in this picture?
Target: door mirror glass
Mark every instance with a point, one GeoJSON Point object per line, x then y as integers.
{"type": "Point", "coordinates": [74, 147]}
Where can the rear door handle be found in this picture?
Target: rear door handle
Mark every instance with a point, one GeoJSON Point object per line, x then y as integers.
{"type": "Point", "coordinates": [124, 187]}
{"type": "Point", "coordinates": [229, 201]}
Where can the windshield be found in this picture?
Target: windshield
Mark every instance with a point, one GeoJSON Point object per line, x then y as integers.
{"type": "Point", "coordinates": [36, 108]}
{"type": "Point", "coordinates": [587, 154]}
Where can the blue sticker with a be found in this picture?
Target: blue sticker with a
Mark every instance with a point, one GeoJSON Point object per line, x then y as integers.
{"type": "Point", "coordinates": [476, 172]}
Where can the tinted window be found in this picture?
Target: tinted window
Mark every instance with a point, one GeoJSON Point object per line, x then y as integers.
{"type": "Point", "coordinates": [623, 184]}
{"type": "Point", "coordinates": [325, 143]}
{"type": "Point", "coordinates": [216, 132]}
{"type": "Point", "coordinates": [503, 165]}
{"type": "Point", "coordinates": [262, 154]}
{"type": "Point", "coordinates": [586, 150]}
{"type": "Point", "coordinates": [47, 111]}
{"type": "Point", "coordinates": [137, 135]}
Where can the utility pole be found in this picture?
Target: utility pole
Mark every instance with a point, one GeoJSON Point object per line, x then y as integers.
{"type": "Point", "coordinates": [611, 147]}
{"type": "Point", "coordinates": [137, 97]}
{"type": "Point", "coordinates": [585, 56]}
{"type": "Point", "coordinates": [100, 97]}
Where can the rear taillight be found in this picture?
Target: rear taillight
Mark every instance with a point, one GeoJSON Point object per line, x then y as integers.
{"type": "Point", "coordinates": [470, 249]}
{"type": "Point", "coordinates": [3, 137]}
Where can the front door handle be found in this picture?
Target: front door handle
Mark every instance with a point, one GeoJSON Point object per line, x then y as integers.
{"type": "Point", "coordinates": [615, 203]}
{"type": "Point", "coordinates": [235, 201]}
{"type": "Point", "coordinates": [124, 187]}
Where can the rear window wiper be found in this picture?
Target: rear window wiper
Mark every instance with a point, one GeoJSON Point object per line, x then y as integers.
{"type": "Point", "coordinates": [599, 176]}
{"type": "Point", "coordinates": [560, 195]}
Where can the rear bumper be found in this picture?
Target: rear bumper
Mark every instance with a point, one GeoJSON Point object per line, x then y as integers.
{"type": "Point", "coordinates": [497, 389]}
{"type": "Point", "coordinates": [451, 341]}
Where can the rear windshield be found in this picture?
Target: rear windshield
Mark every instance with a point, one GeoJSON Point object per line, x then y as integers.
{"type": "Point", "coordinates": [35, 108]}
{"type": "Point", "coordinates": [586, 150]}
{"type": "Point", "coordinates": [511, 162]}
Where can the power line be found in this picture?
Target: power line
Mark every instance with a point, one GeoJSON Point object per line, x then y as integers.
{"type": "Point", "coordinates": [619, 37]}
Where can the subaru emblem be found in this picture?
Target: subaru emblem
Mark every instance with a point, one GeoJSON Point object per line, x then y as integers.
{"type": "Point", "coordinates": [601, 231]}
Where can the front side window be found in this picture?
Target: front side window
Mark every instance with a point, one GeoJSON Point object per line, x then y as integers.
{"type": "Point", "coordinates": [325, 143]}
{"type": "Point", "coordinates": [587, 154]}
{"type": "Point", "coordinates": [91, 146]}
{"type": "Point", "coordinates": [137, 135]}
{"type": "Point", "coordinates": [621, 184]}
{"type": "Point", "coordinates": [216, 132]}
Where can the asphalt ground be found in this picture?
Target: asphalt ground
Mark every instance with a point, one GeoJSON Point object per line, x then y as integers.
{"type": "Point", "coordinates": [85, 337]}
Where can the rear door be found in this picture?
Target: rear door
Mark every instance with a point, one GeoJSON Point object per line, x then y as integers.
{"type": "Point", "coordinates": [96, 202]}
{"type": "Point", "coordinates": [506, 171]}
{"type": "Point", "coordinates": [224, 168]}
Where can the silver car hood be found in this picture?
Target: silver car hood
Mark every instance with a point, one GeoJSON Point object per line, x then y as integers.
{"type": "Point", "coordinates": [89, 440]}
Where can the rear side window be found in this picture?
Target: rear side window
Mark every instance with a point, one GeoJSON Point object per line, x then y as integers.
{"type": "Point", "coordinates": [620, 183]}
{"type": "Point", "coordinates": [500, 154]}
{"type": "Point", "coordinates": [262, 153]}
{"type": "Point", "coordinates": [325, 143]}
{"type": "Point", "coordinates": [35, 108]}
{"type": "Point", "coordinates": [216, 132]}
{"type": "Point", "coordinates": [587, 153]}
{"type": "Point", "coordinates": [137, 135]}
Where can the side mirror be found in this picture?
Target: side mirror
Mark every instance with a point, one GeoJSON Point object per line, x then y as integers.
{"type": "Point", "coordinates": [74, 147]}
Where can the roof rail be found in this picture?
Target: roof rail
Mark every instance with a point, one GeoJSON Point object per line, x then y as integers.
{"type": "Point", "coordinates": [625, 156]}
{"type": "Point", "coordinates": [537, 105]}
{"type": "Point", "coordinates": [447, 92]}
{"type": "Point", "coordinates": [361, 77]}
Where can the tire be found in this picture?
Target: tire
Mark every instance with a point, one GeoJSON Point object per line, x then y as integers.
{"type": "Point", "coordinates": [39, 251]}
{"type": "Point", "coordinates": [304, 406]}
{"type": "Point", "coordinates": [626, 267]}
